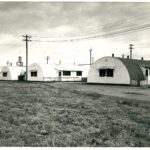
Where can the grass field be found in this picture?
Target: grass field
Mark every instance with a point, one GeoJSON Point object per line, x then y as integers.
{"type": "Point", "coordinates": [64, 114]}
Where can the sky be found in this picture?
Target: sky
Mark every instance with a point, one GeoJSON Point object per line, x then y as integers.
{"type": "Point", "coordinates": [114, 24]}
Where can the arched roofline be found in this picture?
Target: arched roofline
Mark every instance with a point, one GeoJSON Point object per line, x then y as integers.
{"type": "Point", "coordinates": [132, 67]}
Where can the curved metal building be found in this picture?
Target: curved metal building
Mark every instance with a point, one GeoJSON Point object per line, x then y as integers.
{"type": "Point", "coordinates": [115, 70]}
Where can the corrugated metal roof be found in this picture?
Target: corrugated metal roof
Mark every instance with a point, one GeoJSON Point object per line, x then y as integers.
{"type": "Point", "coordinates": [143, 63]}
{"type": "Point", "coordinates": [133, 67]}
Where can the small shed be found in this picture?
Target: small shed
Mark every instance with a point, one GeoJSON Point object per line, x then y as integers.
{"type": "Point", "coordinates": [42, 72]}
{"type": "Point", "coordinates": [11, 72]}
{"type": "Point", "coordinates": [115, 70]}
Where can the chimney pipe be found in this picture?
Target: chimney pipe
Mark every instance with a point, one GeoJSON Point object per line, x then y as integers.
{"type": "Point", "coordinates": [128, 57]}
{"type": "Point", "coordinates": [113, 55]}
{"type": "Point", "coordinates": [7, 63]}
{"type": "Point", "coordinates": [142, 58]}
{"type": "Point", "coordinates": [123, 56]}
{"type": "Point", "coordinates": [19, 59]}
{"type": "Point", "coordinates": [59, 62]}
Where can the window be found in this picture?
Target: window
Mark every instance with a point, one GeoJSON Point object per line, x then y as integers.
{"type": "Point", "coordinates": [106, 72]}
{"type": "Point", "coordinates": [33, 73]}
{"type": "Point", "coordinates": [79, 73]}
{"type": "Point", "coordinates": [102, 72]}
{"type": "Point", "coordinates": [4, 74]}
{"type": "Point", "coordinates": [109, 72]}
{"type": "Point", "coordinates": [66, 73]}
{"type": "Point", "coordinates": [146, 72]}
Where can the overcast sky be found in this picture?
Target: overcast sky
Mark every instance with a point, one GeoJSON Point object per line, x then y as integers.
{"type": "Point", "coordinates": [63, 20]}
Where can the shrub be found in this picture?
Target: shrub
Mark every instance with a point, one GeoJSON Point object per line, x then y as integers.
{"type": "Point", "coordinates": [21, 77]}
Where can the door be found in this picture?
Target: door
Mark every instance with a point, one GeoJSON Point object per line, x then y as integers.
{"type": "Point", "coordinates": [59, 76]}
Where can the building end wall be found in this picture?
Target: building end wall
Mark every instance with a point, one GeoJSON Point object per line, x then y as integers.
{"type": "Point", "coordinates": [120, 73]}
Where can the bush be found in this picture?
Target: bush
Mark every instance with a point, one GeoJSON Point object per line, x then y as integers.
{"type": "Point", "coordinates": [21, 77]}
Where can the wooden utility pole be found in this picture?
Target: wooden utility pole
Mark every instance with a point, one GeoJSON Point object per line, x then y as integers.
{"type": "Point", "coordinates": [131, 48]}
{"type": "Point", "coordinates": [92, 60]}
{"type": "Point", "coordinates": [47, 59]}
{"type": "Point", "coordinates": [90, 56]}
{"type": "Point", "coordinates": [27, 39]}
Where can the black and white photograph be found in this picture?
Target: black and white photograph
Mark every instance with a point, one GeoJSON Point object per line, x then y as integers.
{"type": "Point", "coordinates": [74, 74]}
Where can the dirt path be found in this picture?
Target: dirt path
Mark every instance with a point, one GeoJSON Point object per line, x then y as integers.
{"type": "Point", "coordinates": [139, 93]}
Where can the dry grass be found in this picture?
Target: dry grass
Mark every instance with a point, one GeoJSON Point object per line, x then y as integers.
{"type": "Point", "coordinates": [39, 114]}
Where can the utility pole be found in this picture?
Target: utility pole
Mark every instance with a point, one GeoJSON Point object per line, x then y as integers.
{"type": "Point", "coordinates": [47, 59]}
{"type": "Point", "coordinates": [27, 39]}
{"type": "Point", "coordinates": [131, 48]}
{"type": "Point", "coordinates": [90, 56]}
{"type": "Point", "coordinates": [92, 60]}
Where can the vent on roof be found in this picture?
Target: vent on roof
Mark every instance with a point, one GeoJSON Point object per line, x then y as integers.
{"type": "Point", "coordinates": [113, 55]}
{"type": "Point", "coordinates": [7, 63]}
{"type": "Point", "coordinates": [19, 59]}
{"type": "Point", "coordinates": [128, 57]}
{"type": "Point", "coordinates": [123, 56]}
{"type": "Point", "coordinates": [142, 58]}
{"type": "Point", "coordinates": [59, 62]}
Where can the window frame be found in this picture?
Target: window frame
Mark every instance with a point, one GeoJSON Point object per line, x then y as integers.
{"type": "Point", "coordinates": [102, 72]}
{"type": "Point", "coordinates": [106, 72]}
{"type": "Point", "coordinates": [34, 75]}
{"type": "Point", "coordinates": [5, 74]}
{"type": "Point", "coordinates": [79, 73]}
{"type": "Point", "coordinates": [110, 73]}
{"type": "Point", "coordinates": [66, 73]}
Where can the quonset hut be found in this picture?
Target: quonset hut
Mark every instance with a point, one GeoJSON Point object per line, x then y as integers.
{"type": "Point", "coordinates": [42, 72]}
{"type": "Point", "coordinates": [11, 72]}
{"type": "Point", "coordinates": [115, 70]}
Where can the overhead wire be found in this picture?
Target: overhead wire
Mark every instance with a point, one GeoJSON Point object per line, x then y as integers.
{"type": "Point", "coordinates": [118, 25]}
{"type": "Point", "coordinates": [110, 34]}
{"type": "Point", "coordinates": [107, 35]}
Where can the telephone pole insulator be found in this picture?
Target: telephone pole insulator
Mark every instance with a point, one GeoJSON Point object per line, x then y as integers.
{"type": "Point", "coordinates": [27, 39]}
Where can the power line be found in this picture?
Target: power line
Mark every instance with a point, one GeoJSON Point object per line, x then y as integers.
{"type": "Point", "coordinates": [120, 26]}
{"type": "Point", "coordinates": [117, 25]}
{"type": "Point", "coordinates": [120, 29]}
{"type": "Point", "coordinates": [107, 35]}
